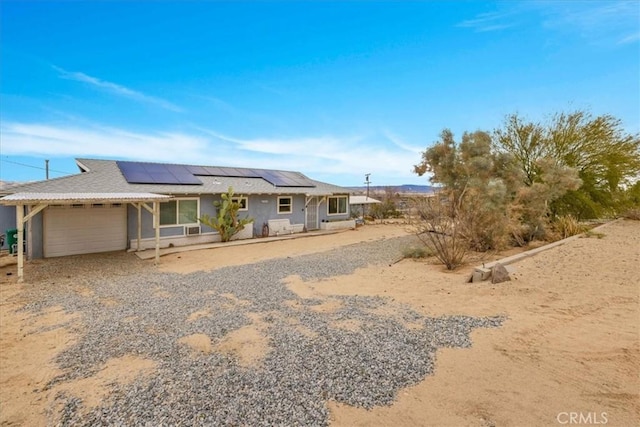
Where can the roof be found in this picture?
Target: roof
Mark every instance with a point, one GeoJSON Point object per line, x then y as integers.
{"type": "Point", "coordinates": [67, 198]}
{"type": "Point", "coordinates": [104, 176]}
{"type": "Point", "coordinates": [362, 200]}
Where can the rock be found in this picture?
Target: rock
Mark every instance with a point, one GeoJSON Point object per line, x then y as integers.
{"type": "Point", "coordinates": [499, 274]}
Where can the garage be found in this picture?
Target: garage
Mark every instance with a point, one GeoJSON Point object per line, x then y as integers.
{"type": "Point", "coordinates": [84, 228]}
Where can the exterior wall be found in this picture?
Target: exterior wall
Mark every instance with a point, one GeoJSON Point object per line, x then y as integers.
{"type": "Point", "coordinates": [35, 236]}
{"type": "Point", "coordinates": [261, 208]}
{"type": "Point", "coordinates": [264, 208]}
{"type": "Point", "coordinates": [323, 214]}
{"type": "Point", "coordinates": [206, 207]}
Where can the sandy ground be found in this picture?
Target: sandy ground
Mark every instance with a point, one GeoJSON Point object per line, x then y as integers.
{"type": "Point", "coordinates": [568, 353]}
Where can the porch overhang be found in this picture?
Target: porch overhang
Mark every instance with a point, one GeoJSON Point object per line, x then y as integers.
{"type": "Point", "coordinates": [77, 198]}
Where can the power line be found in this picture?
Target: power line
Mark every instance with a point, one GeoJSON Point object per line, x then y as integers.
{"type": "Point", "coordinates": [35, 167]}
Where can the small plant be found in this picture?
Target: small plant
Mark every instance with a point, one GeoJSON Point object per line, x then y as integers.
{"type": "Point", "coordinates": [416, 252]}
{"type": "Point", "coordinates": [226, 221]}
{"type": "Point", "coordinates": [590, 233]}
{"type": "Point", "coordinates": [568, 226]}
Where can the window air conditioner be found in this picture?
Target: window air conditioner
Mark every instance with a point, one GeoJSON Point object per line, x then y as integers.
{"type": "Point", "coordinates": [192, 230]}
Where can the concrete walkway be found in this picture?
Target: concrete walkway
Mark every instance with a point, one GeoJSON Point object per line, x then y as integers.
{"type": "Point", "coordinates": [151, 253]}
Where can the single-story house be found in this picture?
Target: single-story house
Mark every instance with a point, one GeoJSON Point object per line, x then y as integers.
{"type": "Point", "coordinates": [117, 205]}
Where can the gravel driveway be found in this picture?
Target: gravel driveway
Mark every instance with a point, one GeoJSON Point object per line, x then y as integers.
{"type": "Point", "coordinates": [309, 360]}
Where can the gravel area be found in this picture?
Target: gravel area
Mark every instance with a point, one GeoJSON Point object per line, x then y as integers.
{"type": "Point", "coordinates": [309, 359]}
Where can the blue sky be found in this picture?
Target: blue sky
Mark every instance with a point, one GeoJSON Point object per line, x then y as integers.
{"type": "Point", "coordinates": [334, 90]}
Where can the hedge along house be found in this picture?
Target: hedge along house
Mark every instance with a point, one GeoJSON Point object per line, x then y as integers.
{"type": "Point", "coordinates": [117, 205]}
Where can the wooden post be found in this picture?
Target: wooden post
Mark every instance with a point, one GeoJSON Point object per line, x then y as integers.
{"type": "Point", "coordinates": [156, 223]}
{"type": "Point", "coordinates": [139, 207]}
{"type": "Point", "coordinates": [20, 227]}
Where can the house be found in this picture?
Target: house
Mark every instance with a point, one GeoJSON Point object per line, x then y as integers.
{"type": "Point", "coordinates": [117, 205]}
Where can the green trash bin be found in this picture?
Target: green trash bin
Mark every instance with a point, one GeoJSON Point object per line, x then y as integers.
{"type": "Point", "coordinates": [12, 240]}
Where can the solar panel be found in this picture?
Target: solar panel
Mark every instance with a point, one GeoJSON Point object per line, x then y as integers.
{"type": "Point", "coordinates": [248, 173]}
{"type": "Point", "coordinates": [158, 173]}
{"type": "Point", "coordinates": [197, 170]}
{"type": "Point", "coordinates": [212, 171]}
{"type": "Point", "coordinates": [154, 167]}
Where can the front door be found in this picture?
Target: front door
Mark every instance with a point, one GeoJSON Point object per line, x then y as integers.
{"type": "Point", "coordinates": [312, 213]}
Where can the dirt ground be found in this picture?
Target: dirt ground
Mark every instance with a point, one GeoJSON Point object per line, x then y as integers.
{"type": "Point", "coordinates": [568, 353]}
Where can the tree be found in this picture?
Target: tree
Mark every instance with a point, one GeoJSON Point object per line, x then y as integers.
{"type": "Point", "coordinates": [477, 184]}
{"type": "Point", "coordinates": [226, 221]}
{"type": "Point", "coordinates": [605, 158]}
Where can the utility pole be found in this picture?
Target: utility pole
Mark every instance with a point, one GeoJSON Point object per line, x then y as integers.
{"type": "Point", "coordinates": [364, 206]}
{"type": "Point", "coordinates": [46, 168]}
{"type": "Point", "coordinates": [366, 176]}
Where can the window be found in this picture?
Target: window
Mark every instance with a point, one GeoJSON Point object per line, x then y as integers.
{"type": "Point", "coordinates": [242, 201]}
{"type": "Point", "coordinates": [337, 205]}
{"type": "Point", "coordinates": [177, 212]}
{"type": "Point", "coordinates": [285, 205]}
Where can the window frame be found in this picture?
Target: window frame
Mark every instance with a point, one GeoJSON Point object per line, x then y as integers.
{"type": "Point", "coordinates": [346, 205]}
{"type": "Point", "coordinates": [240, 199]}
{"type": "Point", "coordinates": [177, 213]}
{"type": "Point", "coordinates": [290, 211]}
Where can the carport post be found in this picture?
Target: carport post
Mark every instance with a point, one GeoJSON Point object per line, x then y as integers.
{"type": "Point", "coordinates": [20, 227]}
{"type": "Point", "coordinates": [156, 223]}
{"type": "Point", "coordinates": [139, 207]}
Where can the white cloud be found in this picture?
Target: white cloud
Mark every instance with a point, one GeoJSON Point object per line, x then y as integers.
{"type": "Point", "coordinates": [42, 139]}
{"type": "Point", "coordinates": [332, 154]}
{"type": "Point", "coordinates": [342, 160]}
{"type": "Point", "coordinates": [401, 143]}
{"type": "Point", "coordinates": [117, 89]}
{"type": "Point", "coordinates": [491, 21]}
{"type": "Point", "coordinates": [631, 38]}
{"type": "Point", "coordinates": [608, 21]}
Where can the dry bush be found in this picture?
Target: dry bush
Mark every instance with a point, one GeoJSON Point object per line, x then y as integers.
{"type": "Point", "coordinates": [567, 226]}
{"type": "Point", "coordinates": [416, 252]}
{"type": "Point", "coordinates": [482, 220]}
{"type": "Point", "coordinates": [441, 232]}
{"type": "Point", "coordinates": [633, 214]}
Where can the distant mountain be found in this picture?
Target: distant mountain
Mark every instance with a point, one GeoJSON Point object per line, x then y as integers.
{"type": "Point", "coordinates": [403, 189]}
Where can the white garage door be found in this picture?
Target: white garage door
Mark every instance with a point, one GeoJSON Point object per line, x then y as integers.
{"type": "Point", "coordinates": [84, 229]}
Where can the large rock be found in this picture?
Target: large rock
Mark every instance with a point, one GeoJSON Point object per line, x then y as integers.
{"type": "Point", "coordinates": [499, 274]}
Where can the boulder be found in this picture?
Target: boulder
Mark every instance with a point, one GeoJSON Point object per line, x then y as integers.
{"type": "Point", "coordinates": [499, 274]}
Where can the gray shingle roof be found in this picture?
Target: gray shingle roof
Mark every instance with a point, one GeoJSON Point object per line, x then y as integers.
{"type": "Point", "coordinates": [104, 176]}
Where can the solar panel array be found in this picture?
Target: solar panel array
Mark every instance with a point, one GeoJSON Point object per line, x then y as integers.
{"type": "Point", "coordinates": [158, 173]}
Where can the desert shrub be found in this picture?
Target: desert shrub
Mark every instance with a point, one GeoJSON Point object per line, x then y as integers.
{"type": "Point", "coordinates": [633, 214]}
{"type": "Point", "coordinates": [416, 252]}
{"type": "Point", "coordinates": [567, 226]}
{"type": "Point", "coordinates": [441, 232]}
{"type": "Point", "coordinates": [482, 219]}
{"type": "Point", "coordinates": [385, 210]}
{"type": "Point", "coordinates": [590, 233]}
